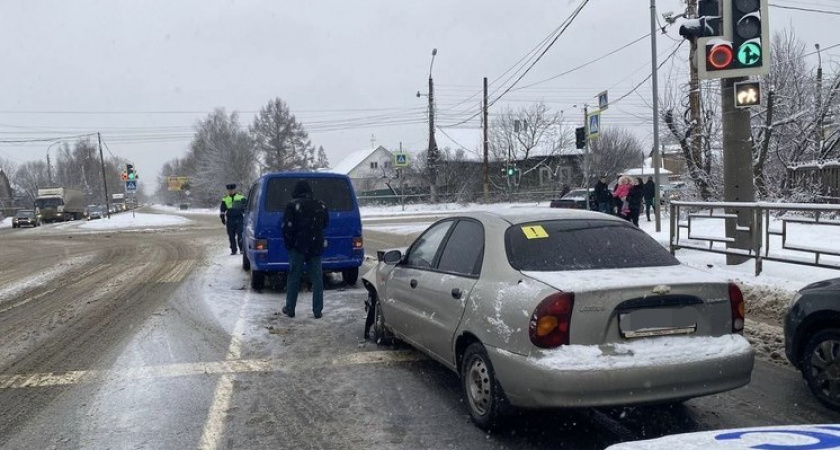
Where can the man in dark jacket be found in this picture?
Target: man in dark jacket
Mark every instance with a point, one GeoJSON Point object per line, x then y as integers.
{"type": "Point", "coordinates": [304, 222]}
{"type": "Point", "coordinates": [650, 195]}
{"type": "Point", "coordinates": [232, 212]}
{"type": "Point", "coordinates": [603, 196]}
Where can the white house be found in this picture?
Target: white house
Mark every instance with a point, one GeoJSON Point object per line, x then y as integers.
{"type": "Point", "coordinates": [367, 168]}
{"type": "Point", "coordinates": [648, 171]}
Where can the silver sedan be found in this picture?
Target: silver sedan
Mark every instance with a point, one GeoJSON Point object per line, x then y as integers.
{"type": "Point", "coordinates": [558, 309]}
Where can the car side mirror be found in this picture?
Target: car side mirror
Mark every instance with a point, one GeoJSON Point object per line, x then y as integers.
{"type": "Point", "coordinates": [392, 257]}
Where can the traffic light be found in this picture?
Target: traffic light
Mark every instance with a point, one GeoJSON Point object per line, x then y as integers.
{"type": "Point", "coordinates": [129, 170]}
{"type": "Point", "coordinates": [707, 24]}
{"type": "Point", "coordinates": [747, 94]}
{"type": "Point", "coordinates": [580, 138]}
{"type": "Point", "coordinates": [742, 50]}
{"type": "Point", "coordinates": [510, 171]}
{"type": "Point", "coordinates": [124, 176]}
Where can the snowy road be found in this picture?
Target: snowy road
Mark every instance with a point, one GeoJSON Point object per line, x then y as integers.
{"type": "Point", "coordinates": [148, 337]}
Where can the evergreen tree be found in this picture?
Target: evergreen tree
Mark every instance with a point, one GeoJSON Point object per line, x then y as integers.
{"type": "Point", "coordinates": [280, 140]}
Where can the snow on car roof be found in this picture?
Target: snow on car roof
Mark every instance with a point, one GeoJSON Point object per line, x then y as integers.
{"type": "Point", "coordinates": [523, 215]}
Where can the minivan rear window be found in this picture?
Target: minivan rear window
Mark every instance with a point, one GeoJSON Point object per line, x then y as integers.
{"type": "Point", "coordinates": [556, 245]}
{"type": "Point", "coordinates": [334, 192]}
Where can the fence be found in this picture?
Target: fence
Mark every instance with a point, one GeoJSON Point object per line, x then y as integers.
{"type": "Point", "coordinates": [777, 240]}
{"type": "Point", "coordinates": [466, 197]}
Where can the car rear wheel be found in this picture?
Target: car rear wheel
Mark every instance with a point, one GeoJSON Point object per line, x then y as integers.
{"type": "Point", "coordinates": [246, 265]}
{"type": "Point", "coordinates": [381, 334]}
{"type": "Point", "coordinates": [821, 367]}
{"type": "Point", "coordinates": [485, 399]}
{"type": "Point", "coordinates": [257, 280]}
{"type": "Point", "coordinates": [350, 276]}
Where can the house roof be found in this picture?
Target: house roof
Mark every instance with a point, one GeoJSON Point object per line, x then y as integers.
{"type": "Point", "coordinates": [353, 160]}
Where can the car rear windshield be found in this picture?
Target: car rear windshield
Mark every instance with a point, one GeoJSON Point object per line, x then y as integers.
{"type": "Point", "coordinates": [556, 245]}
{"type": "Point", "coordinates": [334, 192]}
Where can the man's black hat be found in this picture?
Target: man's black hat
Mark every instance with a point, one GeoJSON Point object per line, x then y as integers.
{"type": "Point", "coordinates": [231, 186]}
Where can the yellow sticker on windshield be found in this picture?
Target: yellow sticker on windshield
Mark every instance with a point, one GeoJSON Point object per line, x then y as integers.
{"type": "Point", "coordinates": [535, 232]}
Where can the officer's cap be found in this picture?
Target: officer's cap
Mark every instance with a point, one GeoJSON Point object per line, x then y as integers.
{"type": "Point", "coordinates": [231, 186]}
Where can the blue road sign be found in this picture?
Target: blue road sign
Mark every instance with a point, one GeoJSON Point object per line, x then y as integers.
{"type": "Point", "coordinates": [400, 159]}
{"type": "Point", "coordinates": [131, 186]}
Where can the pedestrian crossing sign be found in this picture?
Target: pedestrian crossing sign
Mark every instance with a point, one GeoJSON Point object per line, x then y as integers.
{"type": "Point", "coordinates": [400, 159]}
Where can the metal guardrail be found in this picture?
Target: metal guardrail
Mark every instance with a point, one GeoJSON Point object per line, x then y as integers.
{"type": "Point", "coordinates": [683, 214]}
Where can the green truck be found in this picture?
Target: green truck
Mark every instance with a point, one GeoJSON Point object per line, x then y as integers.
{"type": "Point", "coordinates": [59, 204]}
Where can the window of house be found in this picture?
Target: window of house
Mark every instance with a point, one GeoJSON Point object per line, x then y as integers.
{"type": "Point", "coordinates": [374, 165]}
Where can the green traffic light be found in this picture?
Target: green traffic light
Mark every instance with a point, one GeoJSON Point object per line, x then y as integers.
{"type": "Point", "coordinates": [749, 54]}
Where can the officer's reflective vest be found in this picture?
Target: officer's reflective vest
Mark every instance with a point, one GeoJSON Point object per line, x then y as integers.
{"type": "Point", "coordinates": [234, 204]}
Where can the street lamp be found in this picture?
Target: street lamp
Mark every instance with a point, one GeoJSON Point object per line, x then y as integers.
{"type": "Point", "coordinates": [432, 152]}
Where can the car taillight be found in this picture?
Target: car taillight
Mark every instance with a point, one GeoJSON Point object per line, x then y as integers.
{"type": "Point", "coordinates": [357, 242]}
{"type": "Point", "coordinates": [260, 244]}
{"type": "Point", "coordinates": [551, 320]}
{"type": "Point", "coordinates": [736, 302]}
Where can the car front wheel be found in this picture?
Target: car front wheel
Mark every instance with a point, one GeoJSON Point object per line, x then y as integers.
{"type": "Point", "coordinates": [485, 399]}
{"type": "Point", "coordinates": [821, 367]}
{"type": "Point", "coordinates": [381, 334]}
{"type": "Point", "coordinates": [246, 264]}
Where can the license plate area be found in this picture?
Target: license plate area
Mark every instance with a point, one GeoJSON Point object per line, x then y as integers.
{"type": "Point", "coordinates": [657, 322]}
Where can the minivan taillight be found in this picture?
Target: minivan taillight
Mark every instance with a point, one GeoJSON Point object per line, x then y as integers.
{"type": "Point", "coordinates": [549, 326]}
{"type": "Point", "coordinates": [260, 244]}
{"type": "Point", "coordinates": [357, 242]}
{"type": "Point", "coordinates": [736, 303]}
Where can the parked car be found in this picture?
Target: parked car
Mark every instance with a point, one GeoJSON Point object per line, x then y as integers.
{"type": "Point", "coordinates": [546, 309]}
{"type": "Point", "coordinates": [577, 199]}
{"type": "Point", "coordinates": [812, 338]}
{"type": "Point", "coordinates": [25, 218]}
{"type": "Point", "coordinates": [96, 212]}
{"type": "Point", "coordinates": [670, 192]}
{"type": "Point", "coordinates": [264, 253]}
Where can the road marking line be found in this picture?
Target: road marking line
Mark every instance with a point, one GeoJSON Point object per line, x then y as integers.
{"type": "Point", "coordinates": [178, 370]}
{"type": "Point", "coordinates": [215, 425]}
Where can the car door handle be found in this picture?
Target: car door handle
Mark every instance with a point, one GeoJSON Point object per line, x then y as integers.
{"type": "Point", "coordinates": [413, 284]}
{"type": "Point", "coordinates": [456, 293]}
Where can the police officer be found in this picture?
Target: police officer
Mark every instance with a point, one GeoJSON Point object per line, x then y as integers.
{"type": "Point", "coordinates": [231, 212]}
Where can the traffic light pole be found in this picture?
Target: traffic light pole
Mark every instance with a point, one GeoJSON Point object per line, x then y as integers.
{"type": "Point", "coordinates": [486, 147]}
{"type": "Point", "coordinates": [737, 170]}
{"type": "Point", "coordinates": [586, 146]}
{"type": "Point", "coordinates": [655, 86]}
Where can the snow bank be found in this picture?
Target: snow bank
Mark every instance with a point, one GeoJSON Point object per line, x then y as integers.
{"type": "Point", "coordinates": [126, 220]}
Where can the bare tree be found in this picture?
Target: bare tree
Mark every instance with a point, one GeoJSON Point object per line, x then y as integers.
{"type": "Point", "coordinates": [29, 177]}
{"type": "Point", "coordinates": [281, 141]}
{"type": "Point", "coordinates": [221, 152]}
{"type": "Point", "coordinates": [615, 150]}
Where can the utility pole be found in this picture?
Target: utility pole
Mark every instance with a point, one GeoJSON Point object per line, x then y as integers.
{"type": "Point", "coordinates": [737, 169]}
{"type": "Point", "coordinates": [49, 168]}
{"type": "Point", "coordinates": [820, 113]}
{"type": "Point", "coordinates": [693, 100]}
{"type": "Point", "coordinates": [104, 178]}
{"type": "Point", "coordinates": [655, 85]}
{"type": "Point", "coordinates": [586, 147]}
{"type": "Point", "coordinates": [486, 147]}
{"type": "Point", "coordinates": [432, 157]}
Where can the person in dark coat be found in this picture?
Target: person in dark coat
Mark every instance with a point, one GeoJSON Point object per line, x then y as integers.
{"type": "Point", "coordinates": [650, 196]}
{"type": "Point", "coordinates": [603, 196]}
{"type": "Point", "coordinates": [232, 213]}
{"type": "Point", "coordinates": [304, 222]}
{"type": "Point", "coordinates": [634, 200]}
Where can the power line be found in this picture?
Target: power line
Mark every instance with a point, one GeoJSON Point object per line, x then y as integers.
{"type": "Point", "coordinates": [813, 10]}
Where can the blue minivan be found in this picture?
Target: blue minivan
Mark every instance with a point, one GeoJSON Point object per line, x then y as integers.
{"type": "Point", "coordinates": [265, 254]}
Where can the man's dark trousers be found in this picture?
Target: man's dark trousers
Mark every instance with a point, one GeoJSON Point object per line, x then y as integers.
{"type": "Point", "coordinates": [316, 276]}
{"type": "Point", "coordinates": [234, 231]}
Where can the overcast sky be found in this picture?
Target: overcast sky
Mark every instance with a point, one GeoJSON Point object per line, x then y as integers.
{"type": "Point", "coordinates": [144, 72]}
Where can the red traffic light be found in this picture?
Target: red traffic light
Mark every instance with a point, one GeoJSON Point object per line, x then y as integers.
{"type": "Point", "coordinates": [720, 56]}
{"type": "Point", "coordinates": [124, 176]}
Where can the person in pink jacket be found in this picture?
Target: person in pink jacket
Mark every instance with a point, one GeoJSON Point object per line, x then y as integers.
{"type": "Point", "coordinates": [621, 192]}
